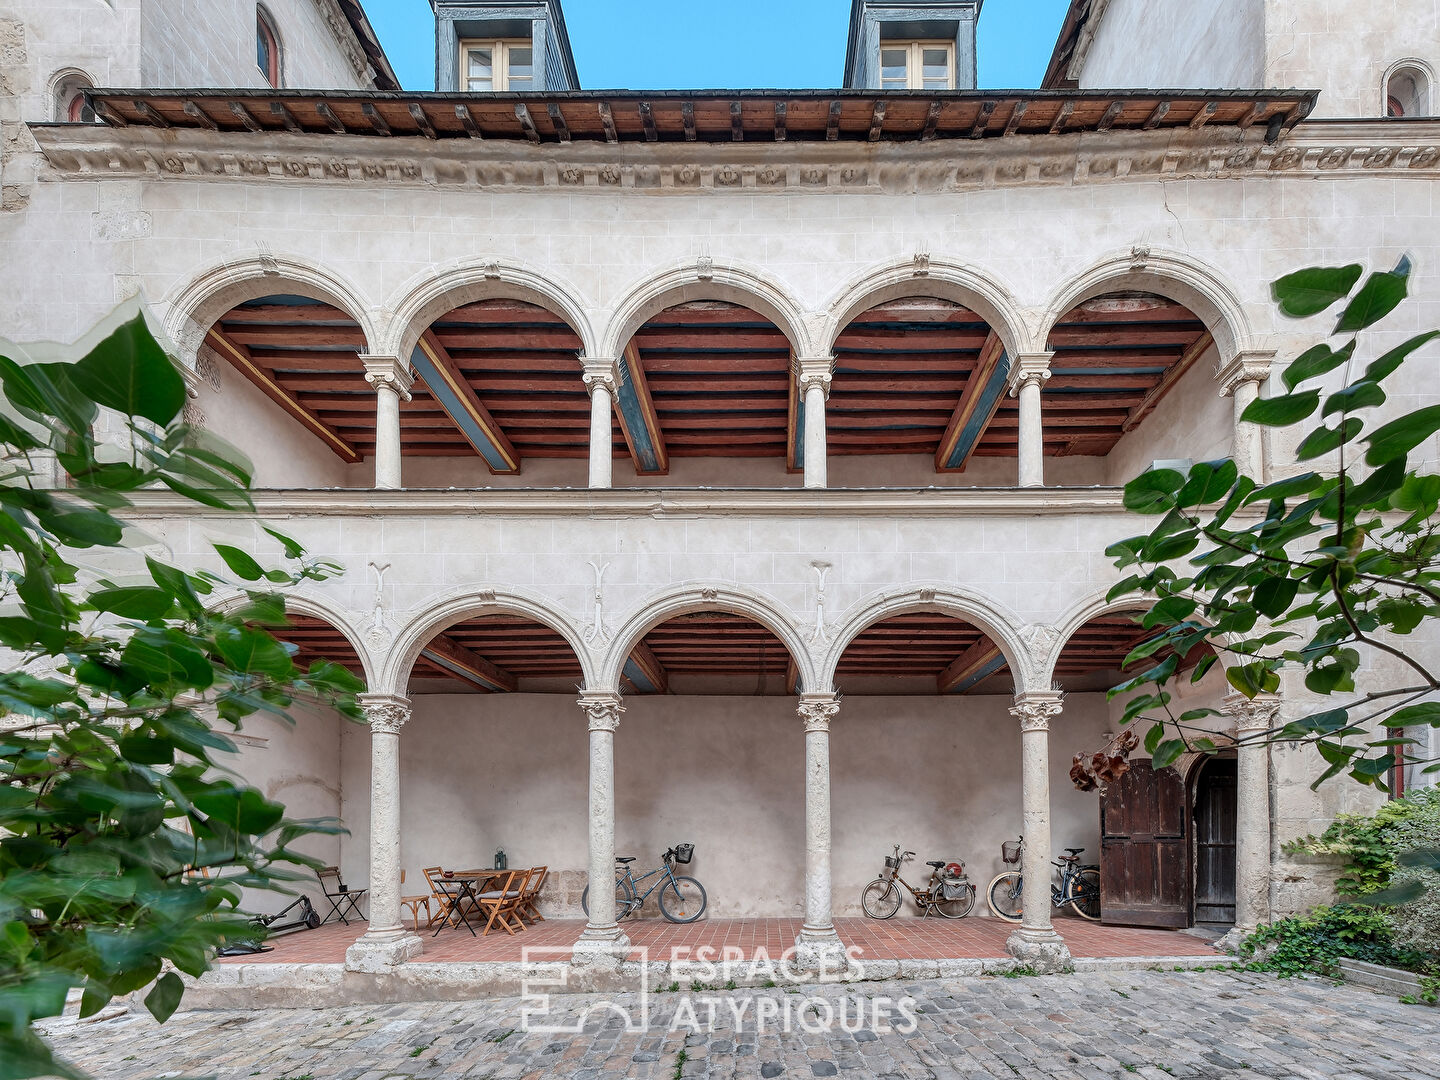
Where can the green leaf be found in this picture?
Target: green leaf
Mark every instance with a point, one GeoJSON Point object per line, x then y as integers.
{"type": "Point", "coordinates": [1167, 753]}
{"type": "Point", "coordinates": [1209, 482]}
{"type": "Point", "coordinates": [1360, 395]}
{"type": "Point", "coordinates": [164, 997]}
{"type": "Point", "coordinates": [243, 809]}
{"type": "Point", "coordinates": [1427, 713]}
{"type": "Point", "coordinates": [1151, 492]}
{"type": "Point", "coordinates": [1310, 291]}
{"type": "Point", "coordinates": [1379, 296]}
{"type": "Point", "coordinates": [253, 652]}
{"type": "Point", "coordinates": [1273, 596]}
{"type": "Point", "coordinates": [1325, 439]}
{"type": "Point", "coordinates": [1396, 356]}
{"type": "Point", "coordinates": [133, 602]}
{"type": "Point", "coordinates": [1315, 361]}
{"type": "Point", "coordinates": [241, 564]}
{"type": "Point", "coordinates": [293, 550]}
{"type": "Point", "coordinates": [1281, 411]}
{"type": "Point", "coordinates": [130, 373]}
{"type": "Point", "coordinates": [1399, 437]}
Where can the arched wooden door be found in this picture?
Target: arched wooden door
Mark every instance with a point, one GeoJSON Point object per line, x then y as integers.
{"type": "Point", "coordinates": [1145, 850]}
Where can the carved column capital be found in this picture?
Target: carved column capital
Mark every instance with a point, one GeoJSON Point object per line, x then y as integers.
{"type": "Point", "coordinates": [389, 371]}
{"type": "Point", "coordinates": [1251, 366]}
{"type": "Point", "coordinates": [817, 710]}
{"type": "Point", "coordinates": [602, 710]}
{"type": "Point", "coordinates": [598, 371]}
{"type": "Point", "coordinates": [1036, 709]}
{"type": "Point", "coordinates": [1252, 715]}
{"type": "Point", "coordinates": [1029, 368]}
{"type": "Point", "coordinates": [385, 713]}
{"type": "Point", "coordinates": [814, 372]}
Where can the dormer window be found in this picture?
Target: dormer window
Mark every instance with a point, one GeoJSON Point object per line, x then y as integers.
{"type": "Point", "coordinates": [497, 65]}
{"type": "Point", "coordinates": [917, 65]}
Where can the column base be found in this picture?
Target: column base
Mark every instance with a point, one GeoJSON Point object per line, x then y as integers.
{"type": "Point", "coordinates": [383, 952]}
{"type": "Point", "coordinates": [1233, 939]}
{"type": "Point", "coordinates": [601, 945]}
{"type": "Point", "coordinates": [1043, 951]}
{"type": "Point", "coordinates": [819, 951]}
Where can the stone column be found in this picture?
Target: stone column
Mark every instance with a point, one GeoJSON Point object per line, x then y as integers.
{"type": "Point", "coordinates": [818, 948]}
{"type": "Point", "coordinates": [392, 380]}
{"type": "Point", "coordinates": [1241, 379]}
{"type": "Point", "coordinates": [386, 942]}
{"type": "Point", "coordinates": [812, 378]}
{"type": "Point", "coordinates": [1036, 944]}
{"type": "Point", "coordinates": [599, 379]}
{"type": "Point", "coordinates": [1027, 374]}
{"type": "Point", "coordinates": [602, 935]}
{"type": "Point", "coordinates": [1252, 811]}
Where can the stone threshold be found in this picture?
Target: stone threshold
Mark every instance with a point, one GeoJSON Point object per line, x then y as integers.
{"type": "Point", "coordinates": [319, 986]}
{"type": "Point", "coordinates": [1395, 981]}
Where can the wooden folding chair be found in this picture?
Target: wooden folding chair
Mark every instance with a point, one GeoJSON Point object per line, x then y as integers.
{"type": "Point", "coordinates": [415, 903]}
{"type": "Point", "coordinates": [500, 901]}
{"type": "Point", "coordinates": [527, 908]}
{"type": "Point", "coordinates": [437, 894]}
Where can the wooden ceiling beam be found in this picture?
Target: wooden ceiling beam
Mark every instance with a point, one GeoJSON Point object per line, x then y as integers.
{"type": "Point", "coordinates": [645, 671]}
{"type": "Point", "coordinates": [978, 662]}
{"type": "Point", "coordinates": [638, 420]}
{"type": "Point", "coordinates": [240, 357]}
{"type": "Point", "coordinates": [468, 666]}
{"type": "Point", "coordinates": [977, 405]}
{"type": "Point", "coordinates": [1175, 373]}
{"type": "Point", "coordinates": [444, 380]}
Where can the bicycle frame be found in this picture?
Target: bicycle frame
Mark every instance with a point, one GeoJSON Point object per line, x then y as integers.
{"type": "Point", "coordinates": [639, 899]}
{"type": "Point", "coordinates": [1059, 894]}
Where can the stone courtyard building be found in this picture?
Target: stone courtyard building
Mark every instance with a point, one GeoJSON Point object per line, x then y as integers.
{"type": "Point", "coordinates": [784, 429]}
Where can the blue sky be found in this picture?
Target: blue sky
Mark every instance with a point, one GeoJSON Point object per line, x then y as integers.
{"type": "Point", "coordinates": [687, 44]}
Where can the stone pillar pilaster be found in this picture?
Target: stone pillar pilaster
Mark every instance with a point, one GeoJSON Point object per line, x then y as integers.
{"type": "Point", "coordinates": [1241, 379]}
{"type": "Point", "coordinates": [602, 935]}
{"type": "Point", "coordinates": [386, 942]}
{"type": "Point", "coordinates": [812, 378]}
{"type": "Point", "coordinates": [599, 377]}
{"type": "Point", "coordinates": [818, 948]}
{"type": "Point", "coordinates": [1027, 374]}
{"type": "Point", "coordinates": [392, 380]}
{"type": "Point", "coordinates": [1253, 718]}
{"type": "Point", "coordinates": [1036, 943]}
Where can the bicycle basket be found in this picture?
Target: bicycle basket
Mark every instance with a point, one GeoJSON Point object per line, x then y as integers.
{"type": "Point", "coordinates": [892, 863]}
{"type": "Point", "coordinates": [1010, 851]}
{"type": "Point", "coordinates": [683, 853]}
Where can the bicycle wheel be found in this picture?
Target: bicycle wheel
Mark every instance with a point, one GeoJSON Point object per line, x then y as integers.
{"type": "Point", "coordinates": [1004, 896]}
{"type": "Point", "coordinates": [881, 899]}
{"type": "Point", "coordinates": [1085, 895]}
{"type": "Point", "coordinates": [682, 899]}
{"type": "Point", "coordinates": [958, 907]}
{"type": "Point", "coordinates": [623, 895]}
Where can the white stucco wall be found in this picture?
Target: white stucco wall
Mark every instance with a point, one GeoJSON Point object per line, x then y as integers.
{"type": "Point", "coordinates": [1204, 44]}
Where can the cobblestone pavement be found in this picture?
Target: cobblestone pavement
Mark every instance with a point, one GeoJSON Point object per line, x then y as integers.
{"type": "Point", "coordinates": [1148, 1024]}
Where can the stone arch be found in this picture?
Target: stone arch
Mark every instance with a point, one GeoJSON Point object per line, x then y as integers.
{"type": "Point", "coordinates": [1095, 606]}
{"type": "Point", "coordinates": [688, 281]}
{"type": "Point", "coordinates": [430, 295]}
{"type": "Point", "coordinates": [684, 600]}
{"type": "Point", "coordinates": [195, 306]}
{"type": "Point", "coordinates": [456, 605]}
{"type": "Point", "coordinates": [942, 279]}
{"type": "Point", "coordinates": [1182, 278]}
{"type": "Point", "coordinates": [315, 608]}
{"type": "Point", "coordinates": [1002, 627]}
{"type": "Point", "coordinates": [1422, 75]}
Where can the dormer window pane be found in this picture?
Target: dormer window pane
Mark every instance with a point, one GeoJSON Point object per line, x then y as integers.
{"type": "Point", "coordinates": [520, 67]}
{"type": "Point", "coordinates": [480, 69]}
{"type": "Point", "coordinates": [937, 68]}
{"type": "Point", "coordinates": [893, 65]}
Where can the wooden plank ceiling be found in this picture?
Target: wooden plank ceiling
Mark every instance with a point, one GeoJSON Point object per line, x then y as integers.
{"type": "Point", "coordinates": [1116, 356]}
{"type": "Point", "coordinates": [700, 116]}
{"type": "Point", "coordinates": [1093, 657]}
{"type": "Point", "coordinates": [315, 639]}
{"type": "Point", "coordinates": [951, 654]}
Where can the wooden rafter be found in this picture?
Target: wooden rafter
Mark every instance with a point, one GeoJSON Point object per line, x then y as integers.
{"type": "Point", "coordinates": [468, 665]}
{"type": "Point", "coordinates": [645, 672]}
{"type": "Point", "coordinates": [638, 419]}
{"type": "Point", "coordinates": [982, 397]}
{"type": "Point", "coordinates": [1172, 375]}
{"type": "Point", "coordinates": [976, 663]}
{"type": "Point", "coordinates": [242, 359]}
{"type": "Point", "coordinates": [450, 388]}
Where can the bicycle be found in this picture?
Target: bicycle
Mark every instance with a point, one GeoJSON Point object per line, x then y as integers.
{"type": "Point", "coordinates": [949, 894]}
{"type": "Point", "coordinates": [1079, 887]}
{"type": "Point", "coordinates": [682, 899]}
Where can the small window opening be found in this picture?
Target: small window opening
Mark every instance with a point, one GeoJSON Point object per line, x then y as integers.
{"type": "Point", "coordinates": [1407, 93]}
{"type": "Point", "coordinates": [267, 48]}
{"type": "Point", "coordinates": [917, 65]}
{"type": "Point", "coordinates": [70, 102]}
{"type": "Point", "coordinates": [498, 65]}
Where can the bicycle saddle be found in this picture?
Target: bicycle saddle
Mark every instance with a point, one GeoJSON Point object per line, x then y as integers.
{"type": "Point", "coordinates": [1074, 850]}
{"type": "Point", "coordinates": [624, 858]}
{"type": "Point", "coordinates": [936, 865]}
